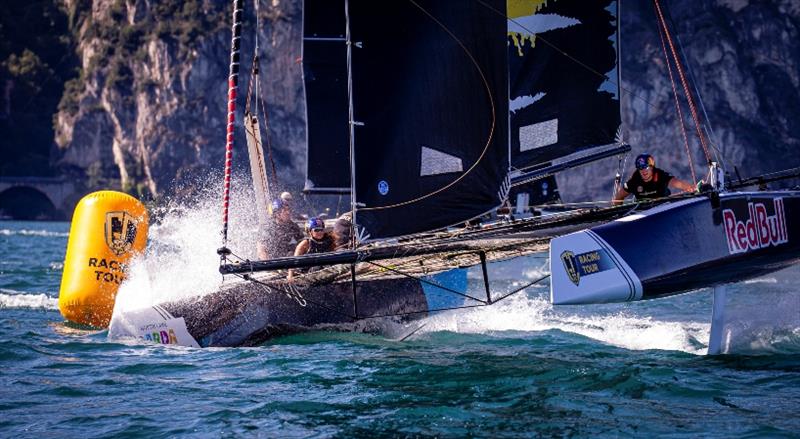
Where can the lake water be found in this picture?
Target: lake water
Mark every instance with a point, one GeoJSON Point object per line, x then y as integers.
{"type": "Point", "coordinates": [518, 369]}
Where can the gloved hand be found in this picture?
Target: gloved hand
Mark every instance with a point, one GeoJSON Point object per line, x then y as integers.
{"type": "Point", "coordinates": [702, 187]}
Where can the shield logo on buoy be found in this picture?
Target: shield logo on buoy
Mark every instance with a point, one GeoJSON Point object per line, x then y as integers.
{"type": "Point", "coordinates": [568, 258]}
{"type": "Point", "coordinates": [120, 230]}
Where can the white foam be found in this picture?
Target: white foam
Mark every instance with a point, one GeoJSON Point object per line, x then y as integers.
{"type": "Point", "coordinates": [522, 313]}
{"type": "Point", "coordinates": [18, 299]}
{"type": "Point", "coordinates": [26, 232]}
{"type": "Point", "coordinates": [762, 280]}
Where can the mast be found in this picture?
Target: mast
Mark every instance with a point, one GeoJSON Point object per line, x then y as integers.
{"type": "Point", "coordinates": [233, 85]}
{"type": "Point", "coordinates": [350, 120]}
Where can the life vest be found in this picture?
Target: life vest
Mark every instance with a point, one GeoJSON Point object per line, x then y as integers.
{"type": "Point", "coordinates": [320, 246]}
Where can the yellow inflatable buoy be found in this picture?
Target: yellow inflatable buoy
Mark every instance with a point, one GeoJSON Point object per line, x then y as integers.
{"type": "Point", "coordinates": [108, 228]}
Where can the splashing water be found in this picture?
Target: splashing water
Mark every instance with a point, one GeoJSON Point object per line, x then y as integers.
{"type": "Point", "coordinates": [536, 314]}
{"type": "Point", "coordinates": [181, 260]}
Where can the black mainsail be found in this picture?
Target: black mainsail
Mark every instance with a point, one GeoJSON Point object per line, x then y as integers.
{"type": "Point", "coordinates": [325, 81]}
{"type": "Point", "coordinates": [441, 114]}
{"type": "Point", "coordinates": [430, 107]}
{"type": "Point", "coordinates": [563, 78]}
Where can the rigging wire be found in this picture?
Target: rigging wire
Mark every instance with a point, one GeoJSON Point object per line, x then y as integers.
{"type": "Point", "coordinates": [491, 130]}
{"type": "Point", "coordinates": [695, 117]}
{"type": "Point", "coordinates": [621, 162]}
{"type": "Point", "coordinates": [354, 240]}
{"type": "Point", "coordinates": [682, 76]}
{"type": "Point", "coordinates": [677, 104]}
{"type": "Point", "coordinates": [262, 99]}
{"type": "Point", "coordinates": [707, 121]}
{"type": "Point", "coordinates": [303, 301]}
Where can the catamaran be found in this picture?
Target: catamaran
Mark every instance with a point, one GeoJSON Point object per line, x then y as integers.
{"type": "Point", "coordinates": [431, 114]}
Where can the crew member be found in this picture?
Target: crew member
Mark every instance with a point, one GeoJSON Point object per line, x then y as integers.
{"type": "Point", "coordinates": [343, 232]}
{"type": "Point", "coordinates": [280, 236]}
{"type": "Point", "coordinates": [318, 241]}
{"type": "Point", "coordinates": [649, 182]}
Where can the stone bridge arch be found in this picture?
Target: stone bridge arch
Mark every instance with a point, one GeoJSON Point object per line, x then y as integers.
{"type": "Point", "coordinates": [37, 198]}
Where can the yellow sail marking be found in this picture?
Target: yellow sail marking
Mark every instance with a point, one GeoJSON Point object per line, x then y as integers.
{"type": "Point", "coordinates": [523, 8]}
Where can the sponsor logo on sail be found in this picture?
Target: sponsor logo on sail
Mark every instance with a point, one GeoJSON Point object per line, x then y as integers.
{"type": "Point", "coordinates": [568, 258]}
{"type": "Point", "coordinates": [585, 264]}
{"type": "Point", "coordinates": [120, 231]}
{"type": "Point", "coordinates": [383, 187]}
{"type": "Point", "coordinates": [758, 229]}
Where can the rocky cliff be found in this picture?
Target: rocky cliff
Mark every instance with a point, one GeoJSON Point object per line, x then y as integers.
{"type": "Point", "coordinates": [147, 109]}
{"type": "Point", "coordinates": [744, 57]}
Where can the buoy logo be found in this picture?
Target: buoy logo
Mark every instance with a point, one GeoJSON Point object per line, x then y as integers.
{"type": "Point", "coordinates": [120, 231]}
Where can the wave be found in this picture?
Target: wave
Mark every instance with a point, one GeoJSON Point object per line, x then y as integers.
{"type": "Point", "coordinates": [26, 232]}
{"type": "Point", "coordinates": [761, 280]}
{"type": "Point", "coordinates": [528, 314]}
{"type": "Point", "coordinates": [19, 299]}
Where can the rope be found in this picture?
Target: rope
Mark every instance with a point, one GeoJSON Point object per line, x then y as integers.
{"type": "Point", "coordinates": [685, 84]}
{"type": "Point", "coordinates": [491, 130]}
{"type": "Point", "coordinates": [677, 103]}
{"type": "Point", "coordinates": [233, 85]}
{"type": "Point", "coordinates": [709, 130]}
{"type": "Point", "coordinates": [294, 295]}
{"type": "Point", "coordinates": [253, 75]}
{"type": "Point", "coordinates": [434, 284]}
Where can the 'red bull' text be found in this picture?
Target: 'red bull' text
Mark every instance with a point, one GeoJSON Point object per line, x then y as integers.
{"type": "Point", "coordinates": [758, 230]}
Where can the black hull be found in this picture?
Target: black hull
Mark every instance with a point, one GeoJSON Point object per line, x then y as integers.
{"type": "Point", "coordinates": [246, 313]}
{"type": "Point", "coordinates": [249, 313]}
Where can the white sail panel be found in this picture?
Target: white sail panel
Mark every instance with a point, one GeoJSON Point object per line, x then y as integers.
{"type": "Point", "coordinates": [435, 162]}
{"type": "Point", "coordinates": [538, 135]}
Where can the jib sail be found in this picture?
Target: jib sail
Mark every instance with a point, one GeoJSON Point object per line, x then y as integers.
{"type": "Point", "coordinates": [563, 78]}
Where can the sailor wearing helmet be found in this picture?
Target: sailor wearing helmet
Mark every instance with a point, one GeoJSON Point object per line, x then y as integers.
{"type": "Point", "coordinates": [649, 182]}
{"type": "Point", "coordinates": [318, 241]}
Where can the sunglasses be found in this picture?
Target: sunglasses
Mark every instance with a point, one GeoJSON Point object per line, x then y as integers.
{"type": "Point", "coordinates": [641, 166]}
{"type": "Point", "coordinates": [317, 230]}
